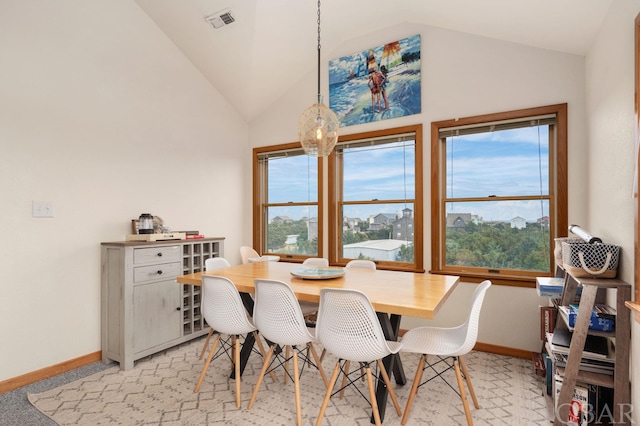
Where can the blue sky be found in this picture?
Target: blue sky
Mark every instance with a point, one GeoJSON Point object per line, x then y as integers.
{"type": "Point", "coordinates": [370, 173]}
{"type": "Point", "coordinates": [498, 163]}
{"type": "Point", "coordinates": [508, 162]}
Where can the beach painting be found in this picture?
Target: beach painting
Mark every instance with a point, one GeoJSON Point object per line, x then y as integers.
{"type": "Point", "coordinates": [379, 83]}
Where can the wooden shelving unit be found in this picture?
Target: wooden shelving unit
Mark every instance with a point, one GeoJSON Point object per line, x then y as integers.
{"type": "Point", "coordinates": [144, 310]}
{"type": "Point", "coordinates": [620, 339]}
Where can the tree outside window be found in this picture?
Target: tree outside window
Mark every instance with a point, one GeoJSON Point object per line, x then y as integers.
{"type": "Point", "coordinates": [499, 193]}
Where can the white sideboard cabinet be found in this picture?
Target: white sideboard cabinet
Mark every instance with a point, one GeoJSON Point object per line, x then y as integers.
{"type": "Point", "coordinates": [144, 310]}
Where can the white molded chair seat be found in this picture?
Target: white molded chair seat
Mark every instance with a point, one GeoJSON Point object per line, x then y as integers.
{"type": "Point", "coordinates": [225, 313]}
{"type": "Point", "coordinates": [361, 263]}
{"type": "Point", "coordinates": [265, 258]}
{"type": "Point", "coordinates": [279, 318]}
{"type": "Point", "coordinates": [212, 264]}
{"type": "Point", "coordinates": [349, 328]}
{"type": "Point", "coordinates": [446, 342]}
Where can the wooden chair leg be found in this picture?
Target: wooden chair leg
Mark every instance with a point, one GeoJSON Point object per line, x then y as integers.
{"type": "Point", "coordinates": [318, 361]}
{"type": "Point", "coordinates": [414, 388]}
{"type": "Point", "coordinates": [324, 351]}
{"type": "Point", "coordinates": [263, 352]}
{"type": "Point", "coordinates": [236, 345]}
{"type": "Point", "coordinates": [287, 354]}
{"type": "Point", "coordinates": [387, 382]}
{"type": "Point", "coordinates": [307, 355]}
{"type": "Point", "coordinates": [206, 343]}
{"type": "Point", "coordinates": [347, 364]}
{"type": "Point", "coordinates": [296, 385]}
{"type": "Point", "coordinates": [327, 395]}
{"type": "Point", "coordinates": [463, 395]}
{"type": "Point", "coordinates": [372, 396]}
{"type": "Point", "coordinates": [207, 362]}
{"type": "Point", "coordinates": [463, 366]}
{"type": "Point", "coordinates": [265, 365]}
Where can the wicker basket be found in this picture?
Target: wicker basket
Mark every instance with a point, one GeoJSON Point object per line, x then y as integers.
{"type": "Point", "coordinates": [584, 260]}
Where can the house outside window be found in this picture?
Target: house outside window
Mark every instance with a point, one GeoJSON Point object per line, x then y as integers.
{"type": "Point", "coordinates": [375, 181]}
{"type": "Point", "coordinates": [499, 194]}
{"type": "Point", "coordinates": [287, 215]}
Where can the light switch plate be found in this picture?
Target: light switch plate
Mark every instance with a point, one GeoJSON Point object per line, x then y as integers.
{"type": "Point", "coordinates": [42, 209]}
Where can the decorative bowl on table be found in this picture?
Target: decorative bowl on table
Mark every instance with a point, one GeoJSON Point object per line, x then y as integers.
{"type": "Point", "coordinates": [317, 272]}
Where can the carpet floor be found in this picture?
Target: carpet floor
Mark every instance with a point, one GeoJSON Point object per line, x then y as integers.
{"type": "Point", "coordinates": [159, 391]}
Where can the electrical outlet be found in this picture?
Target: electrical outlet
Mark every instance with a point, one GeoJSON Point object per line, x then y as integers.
{"type": "Point", "coordinates": [42, 209]}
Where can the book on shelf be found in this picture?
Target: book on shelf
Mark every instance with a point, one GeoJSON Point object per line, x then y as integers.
{"type": "Point", "coordinates": [549, 286]}
{"type": "Point", "coordinates": [595, 347]}
{"type": "Point", "coordinates": [582, 405]}
{"type": "Point", "coordinates": [600, 310]}
{"type": "Point", "coordinates": [602, 318]}
{"type": "Point", "coordinates": [190, 232]}
{"type": "Point", "coordinates": [547, 320]}
{"type": "Point", "coordinates": [591, 365]}
{"type": "Point", "coordinates": [604, 311]}
{"type": "Point", "coordinates": [194, 236]}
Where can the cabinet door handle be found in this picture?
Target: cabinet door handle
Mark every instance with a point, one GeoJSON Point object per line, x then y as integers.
{"type": "Point", "coordinates": [160, 254]}
{"type": "Point", "coordinates": [178, 308]}
{"type": "Point", "coordinates": [160, 272]}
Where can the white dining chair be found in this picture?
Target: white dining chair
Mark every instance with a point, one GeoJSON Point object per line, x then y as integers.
{"type": "Point", "coordinates": [449, 344]}
{"type": "Point", "coordinates": [246, 253]}
{"type": "Point", "coordinates": [361, 263]}
{"type": "Point", "coordinates": [316, 261]}
{"type": "Point", "coordinates": [225, 313]}
{"type": "Point", "coordinates": [309, 308]}
{"type": "Point", "coordinates": [279, 319]}
{"type": "Point", "coordinates": [349, 328]}
{"type": "Point", "coordinates": [249, 255]}
{"type": "Point", "coordinates": [211, 264]}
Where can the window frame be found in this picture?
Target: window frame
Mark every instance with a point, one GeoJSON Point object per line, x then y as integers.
{"type": "Point", "coordinates": [335, 199]}
{"type": "Point", "coordinates": [636, 261]}
{"type": "Point", "coordinates": [558, 194]}
{"type": "Point", "coordinates": [260, 185]}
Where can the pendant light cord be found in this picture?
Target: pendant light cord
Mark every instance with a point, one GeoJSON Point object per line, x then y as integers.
{"type": "Point", "coordinates": [319, 99]}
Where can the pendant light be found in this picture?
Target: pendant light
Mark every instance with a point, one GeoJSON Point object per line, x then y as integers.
{"type": "Point", "coordinates": [318, 125]}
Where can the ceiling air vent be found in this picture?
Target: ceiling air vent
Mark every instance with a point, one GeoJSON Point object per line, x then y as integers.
{"type": "Point", "coordinates": [220, 19]}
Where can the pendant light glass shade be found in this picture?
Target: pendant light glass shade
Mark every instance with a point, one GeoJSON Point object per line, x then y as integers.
{"type": "Point", "coordinates": [318, 130]}
{"type": "Point", "coordinates": [318, 125]}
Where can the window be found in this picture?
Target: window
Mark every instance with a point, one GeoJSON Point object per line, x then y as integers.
{"type": "Point", "coordinates": [375, 188]}
{"type": "Point", "coordinates": [499, 194]}
{"type": "Point", "coordinates": [287, 214]}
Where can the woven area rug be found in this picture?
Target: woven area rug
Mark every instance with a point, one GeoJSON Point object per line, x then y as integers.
{"type": "Point", "coordinates": [159, 391]}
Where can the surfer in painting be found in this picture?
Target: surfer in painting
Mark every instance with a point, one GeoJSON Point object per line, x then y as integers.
{"type": "Point", "coordinates": [383, 90]}
{"type": "Point", "coordinates": [376, 82]}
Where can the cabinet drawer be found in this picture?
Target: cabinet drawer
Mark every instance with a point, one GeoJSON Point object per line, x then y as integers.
{"type": "Point", "coordinates": [156, 254]}
{"type": "Point", "coordinates": [143, 274]}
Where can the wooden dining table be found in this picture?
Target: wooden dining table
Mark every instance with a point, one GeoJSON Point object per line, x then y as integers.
{"type": "Point", "coordinates": [392, 294]}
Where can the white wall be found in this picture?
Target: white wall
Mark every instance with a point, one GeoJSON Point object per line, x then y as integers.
{"type": "Point", "coordinates": [101, 115]}
{"type": "Point", "coordinates": [611, 160]}
{"type": "Point", "coordinates": [464, 75]}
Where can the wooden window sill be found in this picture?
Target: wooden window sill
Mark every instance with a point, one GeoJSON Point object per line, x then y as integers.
{"type": "Point", "coordinates": [635, 308]}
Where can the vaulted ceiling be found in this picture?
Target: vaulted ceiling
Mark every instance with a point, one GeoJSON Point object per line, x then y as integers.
{"type": "Point", "coordinates": [278, 37]}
